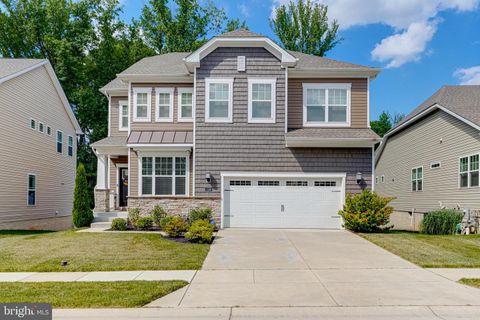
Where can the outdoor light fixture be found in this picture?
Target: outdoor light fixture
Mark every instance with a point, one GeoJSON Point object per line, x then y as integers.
{"type": "Point", "coordinates": [359, 177]}
{"type": "Point", "coordinates": [208, 177]}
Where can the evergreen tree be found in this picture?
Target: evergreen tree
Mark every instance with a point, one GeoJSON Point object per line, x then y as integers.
{"type": "Point", "coordinates": [82, 214]}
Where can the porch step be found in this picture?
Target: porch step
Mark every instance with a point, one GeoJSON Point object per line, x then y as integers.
{"type": "Point", "coordinates": [100, 225]}
{"type": "Point", "coordinates": [109, 216]}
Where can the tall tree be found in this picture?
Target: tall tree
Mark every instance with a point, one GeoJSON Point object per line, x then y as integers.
{"type": "Point", "coordinates": [234, 24]}
{"type": "Point", "coordinates": [184, 29]}
{"type": "Point", "coordinates": [304, 27]}
{"type": "Point", "coordinates": [386, 122]}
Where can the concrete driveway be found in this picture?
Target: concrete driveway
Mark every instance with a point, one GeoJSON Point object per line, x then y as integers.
{"type": "Point", "coordinates": [298, 268]}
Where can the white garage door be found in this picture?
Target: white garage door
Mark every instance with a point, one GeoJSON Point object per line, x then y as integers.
{"type": "Point", "coordinates": [282, 202]}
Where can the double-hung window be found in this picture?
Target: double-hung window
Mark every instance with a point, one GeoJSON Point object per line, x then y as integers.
{"type": "Point", "coordinates": [142, 104]}
{"type": "Point", "coordinates": [417, 179]}
{"type": "Point", "coordinates": [122, 115]}
{"type": "Point", "coordinates": [469, 171]}
{"type": "Point", "coordinates": [32, 190]}
{"type": "Point", "coordinates": [261, 100]}
{"type": "Point", "coordinates": [164, 175]}
{"type": "Point", "coordinates": [59, 141]}
{"type": "Point", "coordinates": [326, 104]}
{"type": "Point", "coordinates": [185, 104]}
{"type": "Point", "coordinates": [219, 104]}
{"type": "Point", "coordinates": [70, 146]}
{"type": "Point", "coordinates": [164, 104]}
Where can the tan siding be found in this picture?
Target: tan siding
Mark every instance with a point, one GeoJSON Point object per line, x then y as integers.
{"type": "Point", "coordinates": [359, 100]}
{"type": "Point", "coordinates": [439, 137]}
{"type": "Point", "coordinates": [24, 150]}
{"type": "Point", "coordinates": [113, 175]}
{"type": "Point", "coordinates": [114, 114]}
{"type": "Point", "coordinates": [152, 125]}
{"type": "Point", "coordinates": [133, 174]}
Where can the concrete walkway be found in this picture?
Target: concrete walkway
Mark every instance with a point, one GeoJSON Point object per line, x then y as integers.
{"type": "Point", "coordinates": [101, 276]}
{"type": "Point", "coordinates": [456, 274]}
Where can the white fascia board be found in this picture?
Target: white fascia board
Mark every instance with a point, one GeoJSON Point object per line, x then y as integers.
{"type": "Point", "coordinates": [194, 58]}
{"type": "Point", "coordinates": [23, 71]}
{"type": "Point", "coordinates": [158, 78]}
{"type": "Point", "coordinates": [282, 174]}
{"type": "Point", "coordinates": [115, 92]}
{"type": "Point", "coordinates": [334, 73]}
{"type": "Point", "coordinates": [330, 143]}
{"type": "Point", "coordinates": [112, 151]}
{"type": "Point", "coordinates": [161, 147]}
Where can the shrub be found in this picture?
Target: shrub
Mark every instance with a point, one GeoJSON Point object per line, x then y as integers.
{"type": "Point", "coordinates": [200, 214]}
{"type": "Point", "coordinates": [144, 223]}
{"type": "Point", "coordinates": [133, 216]}
{"type": "Point", "coordinates": [82, 214]}
{"type": "Point", "coordinates": [157, 214]}
{"type": "Point", "coordinates": [164, 221]}
{"type": "Point", "coordinates": [200, 231]}
{"type": "Point", "coordinates": [176, 227]}
{"type": "Point", "coordinates": [441, 222]}
{"type": "Point", "coordinates": [366, 212]}
{"type": "Point", "coordinates": [119, 224]}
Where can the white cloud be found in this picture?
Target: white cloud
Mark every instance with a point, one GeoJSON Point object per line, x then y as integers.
{"type": "Point", "coordinates": [468, 76]}
{"type": "Point", "coordinates": [404, 16]}
{"type": "Point", "coordinates": [244, 9]}
{"type": "Point", "coordinates": [406, 46]}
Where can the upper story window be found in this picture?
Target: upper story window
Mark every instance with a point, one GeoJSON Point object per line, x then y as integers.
{"type": "Point", "coordinates": [32, 190]}
{"type": "Point", "coordinates": [33, 124]}
{"type": "Point", "coordinates": [219, 102]}
{"type": "Point", "coordinates": [70, 146]}
{"type": "Point", "coordinates": [185, 104]}
{"type": "Point", "coordinates": [417, 179]}
{"type": "Point", "coordinates": [59, 141]}
{"type": "Point", "coordinates": [469, 171]}
{"type": "Point", "coordinates": [261, 100]}
{"type": "Point", "coordinates": [142, 105]}
{"type": "Point", "coordinates": [326, 104]}
{"type": "Point", "coordinates": [41, 127]}
{"type": "Point", "coordinates": [123, 115]}
{"type": "Point", "coordinates": [164, 176]}
{"type": "Point", "coordinates": [164, 105]}
{"type": "Point", "coordinates": [49, 130]}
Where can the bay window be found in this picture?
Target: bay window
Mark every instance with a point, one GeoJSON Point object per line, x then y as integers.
{"type": "Point", "coordinates": [164, 108]}
{"type": "Point", "coordinates": [164, 175]}
{"type": "Point", "coordinates": [469, 171]}
{"type": "Point", "coordinates": [185, 104]}
{"type": "Point", "coordinates": [261, 100]}
{"type": "Point", "coordinates": [326, 104]}
{"type": "Point", "coordinates": [219, 102]}
{"type": "Point", "coordinates": [142, 105]}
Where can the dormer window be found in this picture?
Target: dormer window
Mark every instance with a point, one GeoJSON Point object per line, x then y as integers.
{"type": "Point", "coordinates": [326, 104]}
{"type": "Point", "coordinates": [142, 105]}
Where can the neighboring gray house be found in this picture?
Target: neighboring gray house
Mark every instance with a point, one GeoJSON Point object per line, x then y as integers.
{"type": "Point", "coordinates": [264, 136]}
{"type": "Point", "coordinates": [431, 159]}
{"type": "Point", "coordinates": [38, 143]}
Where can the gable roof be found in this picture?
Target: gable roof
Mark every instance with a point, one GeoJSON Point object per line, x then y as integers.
{"type": "Point", "coordinates": [115, 85]}
{"type": "Point", "coordinates": [462, 102]}
{"type": "Point", "coordinates": [12, 68]}
{"type": "Point", "coordinates": [171, 64]}
{"type": "Point", "coordinates": [240, 33]}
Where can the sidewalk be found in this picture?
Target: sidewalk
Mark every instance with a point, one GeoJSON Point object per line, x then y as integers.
{"type": "Point", "coordinates": [97, 276]}
{"type": "Point", "coordinates": [456, 274]}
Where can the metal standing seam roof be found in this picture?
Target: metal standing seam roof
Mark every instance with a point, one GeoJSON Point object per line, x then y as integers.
{"type": "Point", "coordinates": [160, 137]}
{"type": "Point", "coordinates": [334, 133]}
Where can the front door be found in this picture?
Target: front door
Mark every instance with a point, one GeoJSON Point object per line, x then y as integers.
{"type": "Point", "coordinates": [123, 187]}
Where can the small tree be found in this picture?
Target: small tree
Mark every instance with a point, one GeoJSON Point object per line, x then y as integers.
{"type": "Point", "coordinates": [82, 214]}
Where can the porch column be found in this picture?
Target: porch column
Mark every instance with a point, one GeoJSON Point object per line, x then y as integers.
{"type": "Point", "coordinates": [102, 172]}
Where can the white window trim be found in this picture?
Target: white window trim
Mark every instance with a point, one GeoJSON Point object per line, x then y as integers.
{"type": "Point", "coordinates": [68, 145]}
{"type": "Point", "coordinates": [162, 155]}
{"type": "Point", "coordinates": [228, 81]}
{"type": "Point", "coordinates": [376, 180]}
{"type": "Point", "coordinates": [56, 141]}
{"type": "Point", "coordinates": [416, 179]}
{"type": "Point", "coordinates": [326, 86]}
{"type": "Point", "coordinates": [43, 125]}
{"type": "Point", "coordinates": [46, 131]}
{"type": "Point", "coordinates": [121, 104]}
{"type": "Point", "coordinates": [149, 104]}
{"type": "Point", "coordinates": [30, 124]}
{"type": "Point", "coordinates": [28, 188]}
{"type": "Point", "coordinates": [467, 172]}
{"type": "Point", "coordinates": [382, 178]}
{"type": "Point", "coordinates": [170, 91]}
{"type": "Point", "coordinates": [180, 117]}
{"type": "Point", "coordinates": [273, 83]}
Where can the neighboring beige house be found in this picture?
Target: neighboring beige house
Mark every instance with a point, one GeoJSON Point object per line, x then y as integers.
{"type": "Point", "coordinates": [38, 143]}
{"type": "Point", "coordinates": [266, 137]}
{"type": "Point", "coordinates": [431, 159]}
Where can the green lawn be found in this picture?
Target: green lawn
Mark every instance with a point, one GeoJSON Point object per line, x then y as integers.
{"type": "Point", "coordinates": [125, 294]}
{"type": "Point", "coordinates": [431, 251]}
{"type": "Point", "coordinates": [471, 282]}
{"type": "Point", "coordinates": [43, 251]}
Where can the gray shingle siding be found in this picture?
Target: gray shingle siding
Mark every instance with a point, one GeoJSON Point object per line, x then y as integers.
{"type": "Point", "coordinates": [242, 146]}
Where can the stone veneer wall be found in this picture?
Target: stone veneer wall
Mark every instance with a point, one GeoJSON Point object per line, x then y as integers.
{"type": "Point", "coordinates": [53, 224]}
{"type": "Point", "coordinates": [102, 200]}
{"type": "Point", "coordinates": [177, 206]}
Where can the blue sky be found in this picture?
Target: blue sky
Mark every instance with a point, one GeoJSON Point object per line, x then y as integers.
{"type": "Point", "coordinates": [420, 44]}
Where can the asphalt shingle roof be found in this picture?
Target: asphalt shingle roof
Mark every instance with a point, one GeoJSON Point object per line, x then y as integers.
{"type": "Point", "coordinates": [164, 64]}
{"type": "Point", "coordinates": [10, 66]}
{"type": "Point", "coordinates": [111, 142]}
{"type": "Point", "coordinates": [240, 33]}
{"type": "Point", "coordinates": [115, 84]}
{"type": "Point", "coordinates": [333, 133]}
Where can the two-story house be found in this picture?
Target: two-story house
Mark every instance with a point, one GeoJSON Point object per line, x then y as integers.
{"type": "Point", "coordinates": [38, 147]}
{"type": "Point", "coordinates": [264, 136]}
